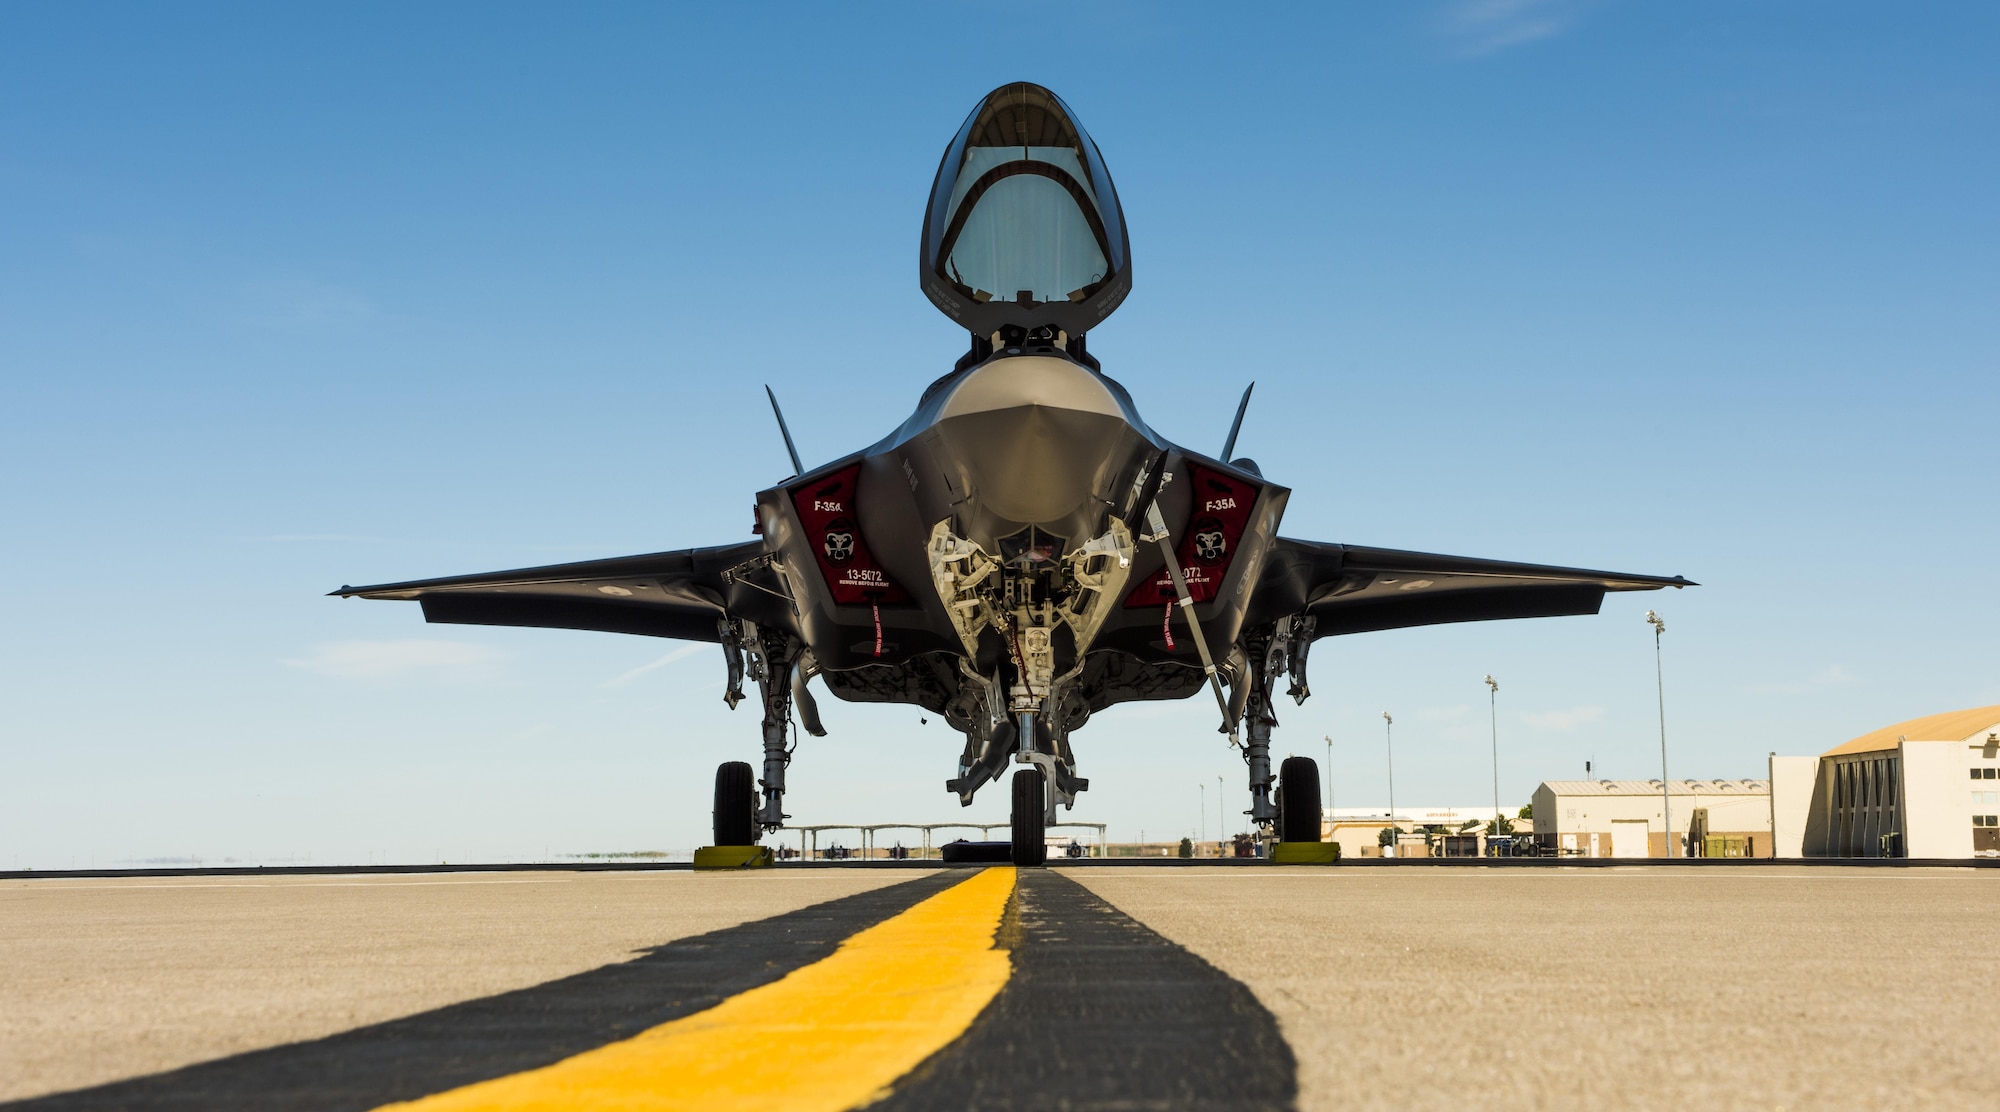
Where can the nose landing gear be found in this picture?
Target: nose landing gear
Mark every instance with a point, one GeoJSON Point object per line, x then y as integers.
{"type": "Point", "coordinates": [1038, 790]}
{"type": "Point", "coordinates": [1029, 830]}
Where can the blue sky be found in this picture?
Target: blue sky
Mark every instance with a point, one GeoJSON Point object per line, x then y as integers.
{"type": "Point", "coordinates": [295, 298]}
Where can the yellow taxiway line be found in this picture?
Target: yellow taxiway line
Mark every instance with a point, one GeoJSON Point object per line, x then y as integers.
{"type": "Point", "coordinates": [830, 1036]}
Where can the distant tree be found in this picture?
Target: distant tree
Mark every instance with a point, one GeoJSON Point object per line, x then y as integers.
{"type": "Point", "coordinates": [1387, 837]}
{"type": "Point", "coordinates": [1187, 847]}
{"type": "Point", "coordinates": [1527, 811]}
{"type": "Point", "coordinates": [1501, 825]}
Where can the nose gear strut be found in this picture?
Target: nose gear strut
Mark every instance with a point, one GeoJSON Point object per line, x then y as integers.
{"type": "Point", "coordinates": [1024, 597]}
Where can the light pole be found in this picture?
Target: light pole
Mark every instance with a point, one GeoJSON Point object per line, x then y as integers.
{"type": "Point", "coordinates": [1389, 742]}
{"type": "Point", "coordinates": [1329, 773]}
{"type": "Point", "coordinates": [1204, 811]}
{"type": "Point", "coordinates": [1660, 683]}
{"type": "Point", "coordinates": [1493, 717]}
{"type": "Point", "coordinates": [1221, 827]}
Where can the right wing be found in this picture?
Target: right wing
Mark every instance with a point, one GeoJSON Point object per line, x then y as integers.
{"type": "Point", "coordinates": [661, 594]}
{"type": "Point", "coordinates": [1350, 588]}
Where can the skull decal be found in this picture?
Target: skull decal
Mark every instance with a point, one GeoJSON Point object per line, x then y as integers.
{"type": "Point", "coordinates": [839, 545]}
{"type": "Point", "coordinates": [1209, 543]}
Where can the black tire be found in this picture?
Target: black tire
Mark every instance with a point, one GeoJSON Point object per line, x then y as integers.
{"type": "Point", "coordinates": [1298, 800]}
{"type": "Point", "coordinates": [735, 805]}
{"type": "Point", "coordinates": [1030, 828]}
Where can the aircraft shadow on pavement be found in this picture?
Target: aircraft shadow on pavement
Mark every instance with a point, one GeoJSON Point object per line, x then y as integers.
{"type": "Point", "coordinates": [1103, 1013]}
{"type": "Point", "coordinates": [456, 1045]}
{"type": "Point", "coordinates": [1100, 1012]}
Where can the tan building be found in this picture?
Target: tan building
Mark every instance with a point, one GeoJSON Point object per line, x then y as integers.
{"type": "Point", "coordinates": [1624, 818]}
{"type": "Point", "coordinates": [1359, 829]}
{"type": "Point", "coordinates": [1929, 787]}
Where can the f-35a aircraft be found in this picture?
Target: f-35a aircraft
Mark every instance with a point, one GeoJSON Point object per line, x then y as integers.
{"type": "Point", "coordinates": [1023, 551]}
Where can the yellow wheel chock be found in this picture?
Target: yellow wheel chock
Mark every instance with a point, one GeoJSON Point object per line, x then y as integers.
{"type": "Point", "coordinates": [733, 857]}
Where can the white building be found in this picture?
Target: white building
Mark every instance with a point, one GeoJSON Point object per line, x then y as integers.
{"type": "Point", "coordinates": [1626, 818]}
{"type": "Point", "coordinates": [1929, 787]}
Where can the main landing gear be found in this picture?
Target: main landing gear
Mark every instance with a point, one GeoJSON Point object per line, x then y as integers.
{"type": "Point", "coordinates": [1289, 804]}
{"type": "Point", "coordinates": [1298, 800]}
{"type": "Point", "coordinates": [780, 666]}
{"type": "Point", "coordinates": [735, 805]}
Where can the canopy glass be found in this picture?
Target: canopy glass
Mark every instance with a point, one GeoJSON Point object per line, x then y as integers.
{"type": "Point", "coordinates": [1023, 214]}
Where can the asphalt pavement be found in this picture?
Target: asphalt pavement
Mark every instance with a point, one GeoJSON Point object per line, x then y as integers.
{"type": "Point", "coordinates": [106, 979]}
{"type": "Point", "coordinates": [1190, 987]}
{"type": "Point", "coordinates": [1638, 987]}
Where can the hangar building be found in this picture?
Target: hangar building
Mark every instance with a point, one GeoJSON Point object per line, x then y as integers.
{"type": "Point", "coordinates": [1929, 787]}
{"type": "Point", "coordinates": [1622, 818]}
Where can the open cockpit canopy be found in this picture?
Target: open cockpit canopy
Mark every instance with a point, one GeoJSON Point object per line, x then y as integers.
{"type": "Point", "coordinates": [1024, 226]}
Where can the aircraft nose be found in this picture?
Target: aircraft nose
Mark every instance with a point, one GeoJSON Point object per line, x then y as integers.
{"type": "Point", "coordinates": [1037, 440]}
{"type": "Point", "coordinates": [1030, 380]}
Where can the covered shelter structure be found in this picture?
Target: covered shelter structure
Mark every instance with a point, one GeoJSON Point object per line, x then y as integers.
{"type": "Point", "coordinates": [870, 843]}
{"type": "Point", "coordinates": [1928, 787]}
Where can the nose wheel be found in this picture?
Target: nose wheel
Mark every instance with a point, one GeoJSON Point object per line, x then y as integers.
{"type": "Point", "coordinates": [1030, 846]}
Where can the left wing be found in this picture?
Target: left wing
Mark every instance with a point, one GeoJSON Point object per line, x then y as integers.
{"type": "Point", "coordinates": [661, 594]}
{"type": "Point", "coordinates": [1350, 588]}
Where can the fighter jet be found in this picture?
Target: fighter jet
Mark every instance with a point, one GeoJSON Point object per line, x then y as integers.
{"type": "Point", "coordinates": [1024, 550]}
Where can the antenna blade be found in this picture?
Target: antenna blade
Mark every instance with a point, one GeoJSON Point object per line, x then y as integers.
{"type": "Point", "coordinates": [800, 468]}
{"type": "Point", "coordinates": [1236, 426]}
